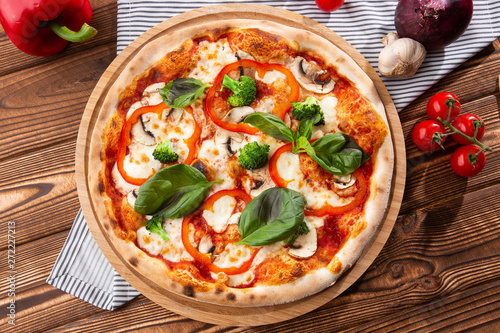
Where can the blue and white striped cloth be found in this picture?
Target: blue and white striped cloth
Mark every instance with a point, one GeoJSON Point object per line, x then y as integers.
{"type": "Point", "coordinates": [82, 270]}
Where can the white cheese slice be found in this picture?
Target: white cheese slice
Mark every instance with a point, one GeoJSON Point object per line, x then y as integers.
{"type": "Point", "coordinates": [328, 106]}
{"type": "Point", "coordinates": [120, 184]}
{"type": "Point", "coordinates": [233, 256]}
{"type": "Point", "coordinates": [172, 249]}
{"type": "Point", "coordinates": [289, 168]}
{"type": "Point", "coordinates": [222, 211]}
{"type": "Point", "coordinates": [212, 57]}
{"type": "Point", "coordinates": [139, 163]}
{"type": "Point", "coordinates": [271, 76]}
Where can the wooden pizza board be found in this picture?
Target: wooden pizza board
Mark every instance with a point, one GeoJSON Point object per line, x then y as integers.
{"type": "Point", "coordinates": [218, 314]}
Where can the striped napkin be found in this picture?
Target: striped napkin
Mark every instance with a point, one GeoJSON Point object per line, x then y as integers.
{"type": "Point", "coordinates": [82, 270]}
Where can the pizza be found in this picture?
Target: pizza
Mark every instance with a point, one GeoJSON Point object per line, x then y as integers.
{"type": "Point", "coordinates": [242, 163]}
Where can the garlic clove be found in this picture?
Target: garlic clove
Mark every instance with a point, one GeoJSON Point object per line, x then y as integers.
{"type": "Point", "coordinates": [401, 57]}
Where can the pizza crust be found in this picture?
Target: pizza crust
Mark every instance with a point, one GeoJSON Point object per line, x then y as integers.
{"type": "Point", "coordinates": [153, 269]}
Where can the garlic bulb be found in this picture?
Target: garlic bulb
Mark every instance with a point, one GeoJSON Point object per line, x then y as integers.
{"type": "Point", "coordinates": [401, 57]}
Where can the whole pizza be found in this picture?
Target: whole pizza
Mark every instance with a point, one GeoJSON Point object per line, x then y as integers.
{"type": "Point", "coordinates": [242, 162]}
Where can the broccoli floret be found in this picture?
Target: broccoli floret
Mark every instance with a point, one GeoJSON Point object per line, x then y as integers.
{"type": "Point", "coordinates": [301, 230]}
{"type": "Point", "coordinates": [307, 109]}
{"type": "Point", "coordinates": [244, 90]}
{"type": "Point", "coordinates": [164, 152]}
{"type": "Point", "coordinates": [155, 225]}
{"type": "Point", "coordinates": [253, 156]}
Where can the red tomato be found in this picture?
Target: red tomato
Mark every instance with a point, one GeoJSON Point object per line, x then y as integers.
{"type": "Point", "coordinates": [465, 124]}
{"type": "Point", "coordinates": [436, 107]}
{"type": "Point", "coordinates": [460, 161]}
{"type": "Point", "coordinates": [329, 5]}
{"type": "Point", "coordinates": [423, 134]}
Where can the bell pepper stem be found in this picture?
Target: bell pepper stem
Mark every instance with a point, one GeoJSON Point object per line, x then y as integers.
{"type": "Point", "coordinates": [85, 33]}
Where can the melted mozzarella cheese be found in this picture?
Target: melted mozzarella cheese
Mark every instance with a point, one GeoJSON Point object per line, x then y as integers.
{"type": "Point", "coordinates": [241, 279]}
{"type": "Point", "coordinates": [318, 197]}
{"type": "Point", "coordinates": [233, 256]}
{"type": "Point", "coordinates": [212, 57]}
{"type": "Point", "coordinates": [328, 106]}
{"type": "Point", "coordinates": [172, 249]}
{"type": "Point", "coordinates": [120, 183]}
{"type": "Point", "coordinates": [151, 95]}
{"type": "Point", "coordinates": [289, 168]}
{"type": "Point", "coordinates": [316, 222]}
{"type": "Point", "coordinates": [139, 162]}
{"type": "Point", "coordinates": [222, 211]}
{"type": "Point", "coordinates": [271, 76]}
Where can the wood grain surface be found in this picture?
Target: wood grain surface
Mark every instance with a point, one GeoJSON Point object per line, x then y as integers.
{"type": "Point", "coordinates": [438, 271]}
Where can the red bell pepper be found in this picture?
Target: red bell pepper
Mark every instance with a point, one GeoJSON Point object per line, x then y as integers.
{"type": "Point", "coordinates": [204, 258]}
{"type": "Point", "coordinates": [326, 209]}
{"type": "Point", "coordinates": [125, 140]}
{"type": "Point", "coordinates": [44, 27]}
{"type": "Point", "coordinates": [280, 108]}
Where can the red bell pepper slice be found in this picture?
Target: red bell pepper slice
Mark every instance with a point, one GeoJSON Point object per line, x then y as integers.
{"type": "Point", "coordinates": [325, 209]}
{"type": "Point", "coordinates": [273, 165]}
{"type": "Point", "coordinates": [206, 259]}
{"type": "Point", "coordinates": [44, 27]}
{"type": "Point", "coordinates": [337, 210]}
{"type": "Point", "coordinates": [125, 140]}
{"type": "Point", "coordinates": [280, 108]}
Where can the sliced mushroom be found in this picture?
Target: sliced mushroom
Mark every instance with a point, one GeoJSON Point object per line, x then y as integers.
{"type": "Point", "coordinates": [259, 182]}
{"type": "Point", "coordinates": [141, 134]}
{"type": "Point", "coordinates": [204, 168]}
{"type": "Point", "coordinates": [151, 94]}
{"type": "Point", "coordinates": [240, 54]}
{"type": "Point", "coordinates": [304, 246]}
{"type": "Point", "coordinates": [308, 73]}
{"type": "Point", "coordinates": [231, 141]}
{"type": "Point", "coordinates": [206, 245]}
{"type": "Point", "coordinates": [237, 115]}
{"type": "Point", "coordinates": [132, 196]}
{"type": "Point", "coordinates": [343, 182]}
{"type": "Point", "coordinates": [175, 115]}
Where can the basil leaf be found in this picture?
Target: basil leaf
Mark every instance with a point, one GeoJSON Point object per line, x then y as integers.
{"type": "Point", "coordinates": [306, 126]}
{"type": "Point", "coordinates": [173, 192]}
{"type": "Point", "coordinates": [185, 201]}
{"type": "Point", "coordinates": [273, 215]}
{"type": "Point", "coordinates": [271, 125]}
{"type": "Point", "coordinates": [302, 145]}
{"type": "Point", "coordinates": [181, 92]}
{"type": "Point", "coordinates": [338, 154]}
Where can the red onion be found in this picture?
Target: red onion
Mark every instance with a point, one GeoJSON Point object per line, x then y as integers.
{"type": "Point", "coordinates": [434, 23]}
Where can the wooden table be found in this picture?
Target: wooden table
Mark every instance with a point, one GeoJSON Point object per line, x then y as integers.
{"type": "Point", "coordinates": [440, 268]}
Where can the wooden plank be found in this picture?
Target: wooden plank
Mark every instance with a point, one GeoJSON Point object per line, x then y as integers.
{"type": "Point", "coordinates": [47, 101]}
{"type": "Point", "coordinates": [477, 308]}
{"type": "Point", "coordinates": [13, 60]}
{"type": "Point", "coordinates": [141, 314]}
{"type": "Point", "coordinates": [44, 307]}
{"type": "Point", "coordinates": [39, 191]}
{"type": "Point", "coordinates": [32, 265]}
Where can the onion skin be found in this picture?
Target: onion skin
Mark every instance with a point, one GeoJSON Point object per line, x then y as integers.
{"type": "Point", "coordinates": [433, 23]}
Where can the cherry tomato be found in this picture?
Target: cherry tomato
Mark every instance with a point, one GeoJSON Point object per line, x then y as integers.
{"type": "Point", "coordinates": [465, 124]}
{"type": "Point", "coordinates": [460, 161]}
{"type": "Point", "coordinates": [329, 5]}
{"type": "Point", "coordinates": [423, 134]}
{"type": "Point", "coordinates": [436, 107]}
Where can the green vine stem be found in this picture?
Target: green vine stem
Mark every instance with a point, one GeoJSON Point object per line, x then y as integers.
{"type": "Point", "coordinates": [450, 102]}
